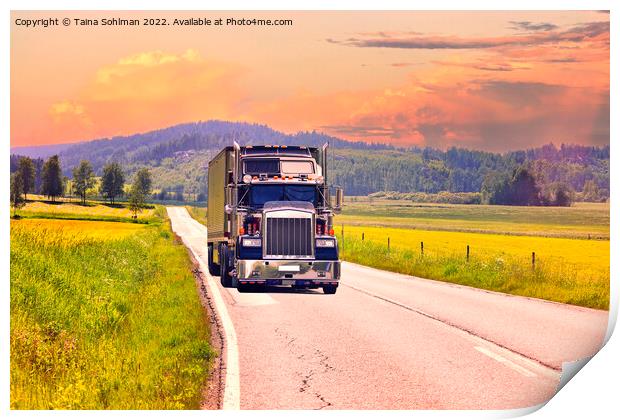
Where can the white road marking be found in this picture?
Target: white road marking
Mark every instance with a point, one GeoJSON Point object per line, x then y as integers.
{"type": "Point", "coordinates": [502, 352]}
{"type": "Point", "coordinates": [232, 389]}
{"type": "Point", "coordinates": [523, 371]}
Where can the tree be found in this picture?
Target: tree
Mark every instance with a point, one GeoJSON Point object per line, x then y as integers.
{"type": "Point", "coordinates": [26, 168]}
{"type": "Point", "coordinates": [52, 178]}
{"type": "Point", "coordinates": [136, 200]}
{"type": "Point", "coordinates": [144, 182]}
{"type": "Point", "coordinates": [83, 179]}
{"type": "Point", "coordinates": [495, 188]}
{"type": "Point", "coordinates": [558, 194]}
{"type": "Point", "coordinates": [17, 189]}
{"type": "Point", "coordinates": [524, 191]}
{"type": "Point", "coordinates": [162, 194]}
{"type": "Point", "coordinates": [591, 191]}
{"type": "Point", "coordinates": [112, 181]}
{"type": "Point", "coordinates": [520, 189]}
{"type": "Point", "coordinates": [140, 189]}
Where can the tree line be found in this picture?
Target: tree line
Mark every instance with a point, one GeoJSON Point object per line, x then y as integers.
{"type": "Point", "coordinates": [50, 182]}
{"type": "Point", "coordinates": [543, 176]}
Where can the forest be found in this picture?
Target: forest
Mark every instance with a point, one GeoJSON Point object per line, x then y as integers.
{"type": "Point", "coordinates": [178, 157]}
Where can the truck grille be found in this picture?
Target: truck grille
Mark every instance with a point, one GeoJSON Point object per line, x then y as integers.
{"type": "Point", "coordinates": [289, 237]}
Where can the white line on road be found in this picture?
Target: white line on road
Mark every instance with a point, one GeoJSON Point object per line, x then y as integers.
{"type": "Point", "coordinates": [534, 365]}
{"type": "Point", "coordinates": [512, 365]}
{"type": "Point", "coordinates": [232, 389]}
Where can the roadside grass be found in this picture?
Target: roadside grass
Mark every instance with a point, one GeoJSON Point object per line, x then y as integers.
{"type": "Point", "coordinates": [567, 271]}
{"type": "Point", "coordinates": [81, 228]}
{"type": "Point", "coordinates": [95, 211]}
{"type": "Point", "coordinates": [104, 320]}
{"type": "Point", "coordinates": [582, 220]}
{"type": "Point", "coordinates": [198, 213]}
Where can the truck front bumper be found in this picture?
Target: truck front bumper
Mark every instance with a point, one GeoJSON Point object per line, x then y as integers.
{"type": "Point", "coordinates": [288, 272]}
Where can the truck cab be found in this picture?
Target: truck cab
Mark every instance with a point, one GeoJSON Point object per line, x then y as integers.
{"type": "Point", "coordinates": [270, 218]}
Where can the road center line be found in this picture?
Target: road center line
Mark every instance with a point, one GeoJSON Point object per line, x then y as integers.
{"type": "Point", "coordinates": [535, 365]}
{"type": "Point", "coordinates": [512, 365]}
{"type": "Point", "coordinates": [232, 389]}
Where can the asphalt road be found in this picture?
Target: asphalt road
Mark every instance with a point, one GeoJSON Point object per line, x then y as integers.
{"type": "Point", "coordinates": [390, 341]}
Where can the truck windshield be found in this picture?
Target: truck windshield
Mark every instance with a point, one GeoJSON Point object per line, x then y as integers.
{"type": "Point", "coordinates": [260, 194]}
{"type": "Point", "coordinates": [276, 166]}
{"type": "Point", "coordinates": [262, 166]}
{"type": "Point", "coordinates": [297, 167]}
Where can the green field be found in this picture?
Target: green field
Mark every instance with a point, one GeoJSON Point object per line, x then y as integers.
{"type": "Point", "coordinates": [568, 268]}
{"type": "Point", "coordinates": [582, 220]}
{"type": "Point", "coordinates": [104, 315]}
{"type": "Point", "coordinates": [37, 208]}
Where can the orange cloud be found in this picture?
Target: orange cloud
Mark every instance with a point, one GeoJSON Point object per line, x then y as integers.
{"type": "Point", "coordinates": [452, 105]}
{"type": "Point", "coordinates": [148, 90]}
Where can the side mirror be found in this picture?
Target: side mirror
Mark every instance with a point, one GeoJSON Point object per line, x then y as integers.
{"type": "Point", "coordinates": [339, 199]}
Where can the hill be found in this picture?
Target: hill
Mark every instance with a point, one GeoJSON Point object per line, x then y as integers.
{"type": "Point", "coordinates": [179, 156]}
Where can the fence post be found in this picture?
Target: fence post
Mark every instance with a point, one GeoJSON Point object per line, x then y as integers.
{"type": "Point", "coordinates": [422, 248]}
{"type": "Point", "coordinates": [362, 236]}
{"type": "Point", "coordinates": [533, 260]}
{"type": "Point", "coordinates": [388, 244]}
{"type": "Point", "coordinates": [467, 252]}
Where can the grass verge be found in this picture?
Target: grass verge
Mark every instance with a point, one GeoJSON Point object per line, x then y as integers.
{"type": "Point", "coordinates": [104, 323]}
{"type": "Point", "coordinates": [198, 213]}
{"type": "Point", "coordinates": [550, 281]}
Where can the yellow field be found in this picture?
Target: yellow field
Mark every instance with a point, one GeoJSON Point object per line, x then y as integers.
{"type": "Point", "coordinates": [588, 257]}
{"type": "Point", "coordinates": [91, 209]}
{"type": "Point", "coordinates": [79, 228]}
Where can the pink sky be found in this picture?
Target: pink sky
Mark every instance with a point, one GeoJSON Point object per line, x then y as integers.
{"type": "Point", "coordinates": [486, 80]}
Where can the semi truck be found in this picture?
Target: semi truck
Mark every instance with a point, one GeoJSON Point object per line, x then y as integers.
{"type": "Point", "coordinates": [270, 218]}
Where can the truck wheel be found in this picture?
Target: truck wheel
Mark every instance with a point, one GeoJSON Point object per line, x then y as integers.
{"type": "Point", "coordinates": [330, 289]}
{"type": "Point", "coordinates": [214, 269]}
{"type": "Point", "coordinates": [225, 277]}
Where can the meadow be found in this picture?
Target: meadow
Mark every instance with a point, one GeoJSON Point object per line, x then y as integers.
{"type": "Point", "coordinates": [37, 208]}
{"type": "Point", "coordinates": [104, 315]}
{"type": "Point", "coordinates": [581, 220]}
{"type": "Point", "coordinates": [568, 267]}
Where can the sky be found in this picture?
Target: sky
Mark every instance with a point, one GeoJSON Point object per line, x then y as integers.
{"type": "Point", "coordinates": [493, 81]}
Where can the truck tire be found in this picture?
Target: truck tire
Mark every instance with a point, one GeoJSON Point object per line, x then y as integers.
{"type": "Point", "coordinates": [225, 277]}
{"type": "Point", "coordinates": [214, 268]}
{"type": "Point", "coordinates": [330, 289]}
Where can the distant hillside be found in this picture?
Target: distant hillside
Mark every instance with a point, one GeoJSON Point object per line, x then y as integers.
{"type": "Point", "coordinates": [155, 146]}
{"type": "Point", "coordinates": [40, 151]}
{"type": "Point", "coordinates": [179, 156]}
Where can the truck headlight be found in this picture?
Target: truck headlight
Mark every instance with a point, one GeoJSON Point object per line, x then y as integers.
{"type": "Point", "coordinates": [251, 242]}
{"type": "Point", "coordinates": [325, 243]}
